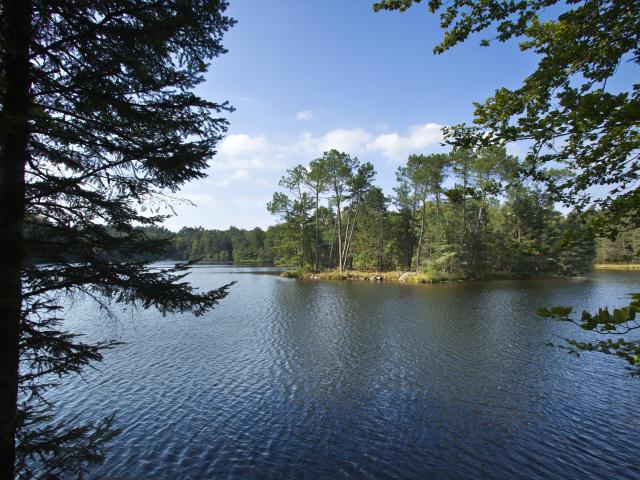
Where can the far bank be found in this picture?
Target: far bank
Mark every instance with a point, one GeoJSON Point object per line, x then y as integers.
{"type": "Point", "coordinates": [404, 276]}
{"type": "Point", "coordinates": [617, 266]}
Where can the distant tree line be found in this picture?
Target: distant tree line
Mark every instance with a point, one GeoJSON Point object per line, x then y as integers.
{"type": "Point", "coordinates": [625, 248]}
{"type": "Point", "coordinates": [231, 245]}
{"type": "Point", "coordinates": [466, 212]}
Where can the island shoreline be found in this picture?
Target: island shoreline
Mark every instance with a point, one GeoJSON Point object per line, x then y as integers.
{"type": "Point", "coordinates": [410, 277]}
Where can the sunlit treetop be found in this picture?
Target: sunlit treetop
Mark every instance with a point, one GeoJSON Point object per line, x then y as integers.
{"type": "Point", "coordinates": [579, 109]}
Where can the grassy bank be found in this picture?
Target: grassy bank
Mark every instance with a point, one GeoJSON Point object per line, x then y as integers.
{"type": "Point", "coordinates": [617, 266]}
{"type": "Point", "coordinates": [395, 276]}
{"type": "Point", "coordinates": [408, 277]}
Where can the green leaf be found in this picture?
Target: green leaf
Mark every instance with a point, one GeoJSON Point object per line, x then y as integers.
{"type": "Point", "coordinates": [561, 311]}
{"type": "Point", "coordinates": [543, 312]}
{"type": "Point", "coordinates": [619, 315]}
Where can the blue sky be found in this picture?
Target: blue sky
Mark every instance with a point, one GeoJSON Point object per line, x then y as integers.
{"type": "Point", "coordinates": [309, 76]}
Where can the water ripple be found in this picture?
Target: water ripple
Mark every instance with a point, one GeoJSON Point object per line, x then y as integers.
{"type": "Point", "coordinates": [290, 379]}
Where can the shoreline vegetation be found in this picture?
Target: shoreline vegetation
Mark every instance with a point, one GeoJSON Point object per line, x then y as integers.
{"type": "Point", "coordinates": [398, 276]}
{"type": "Point", "coordinates": [616, 266]}
{"type": "Point", "coordinates": [452, 216]}
{"type": "Point", "coordinates": [405, 276]}
{"type": "Point", "coordinates": [458, 216]}
{"type": "Point", "coordinates": [373, 276]}
{"type": "Point", "coordinates": [409, 276]}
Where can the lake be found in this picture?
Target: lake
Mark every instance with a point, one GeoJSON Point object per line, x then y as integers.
{"type": "Point", "coordinates": [294, 379]}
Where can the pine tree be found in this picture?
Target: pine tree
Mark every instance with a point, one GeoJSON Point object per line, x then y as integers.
{"type": "Point", "coordinates": [98, 127]}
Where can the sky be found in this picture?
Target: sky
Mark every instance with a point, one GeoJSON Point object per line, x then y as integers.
{"type": "Point", "coordinates": [307, 76]}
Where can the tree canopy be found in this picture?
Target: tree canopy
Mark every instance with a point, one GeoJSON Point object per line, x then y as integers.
{"type": "Point", "coordinates": [462, 214]}
{"type": "Point", "coordinates": [99, 127]}
{"type": "Point", "coordinates": [578, 110]}
{"type": "Point", "coordinates": [575, 109]}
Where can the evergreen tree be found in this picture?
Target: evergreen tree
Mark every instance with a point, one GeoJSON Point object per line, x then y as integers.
{"type": "Point", "coordinates": [339, 168]}
{"type": "Point", "coordinates": [369, 244]}
{"type": "Point", "coordinates": [317, 180]}
{"type": "Point", "coordinates": [98, 123]}
{"type": "Point", "coordinates": [463, 213]}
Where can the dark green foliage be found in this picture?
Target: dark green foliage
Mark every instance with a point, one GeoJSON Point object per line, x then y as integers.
{"type": "Point", "coordinates": [567, 111]}
{"type": "Point", "coordinates": [232, 245]}
{"type": "Point", "coordinates": [346, 182]}
{"type": "Point", "coordinates": [625, 248]}
{"type": "Point", "coordinates": [370, 249]}
{"type": "Point", "coordinates": [620, 321]}
{"type": "Point", "coordinates": [99, 126]}
{"type": "Point", "coordinates": [402, 237]}
{"type": "Point", "coordinates": [463, 213]}
{"type": "Point", "coordinates": [565, 108]}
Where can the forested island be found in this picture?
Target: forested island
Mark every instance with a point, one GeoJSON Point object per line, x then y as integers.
{"type": "Point", "coordinates": [463, 214]}
{"type": "Point", "coordinates": [455, 215]}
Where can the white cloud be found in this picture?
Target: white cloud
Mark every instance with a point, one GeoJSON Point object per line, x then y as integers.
{"type": "Point", "coordinates": [246, 170]}
{"type": "Point", "coordinates": [519, 149]}
{"type": "Point", "coordinates": [242, 144]}
{"type": "Point", "coordinates": [226, 180]}
{"type": "Point", "coordinates": [398, 147]}
{"type": "Point", "coordinates": [304, 115]}
{"type": "Point", "coordinates": [346, 140]}
{"type": "Point", "coordinates": [240, 156]}
{"type": "Point", "coordinates": [251, 202]}
{"type": "Point", "coordinates": [352, 141]}
{"type": "Point", "coordinates": [202, 200]}
{"type": "Point", "coordinates": [242, 152]}
{"type": "Point", "coordinates": [243, 211]}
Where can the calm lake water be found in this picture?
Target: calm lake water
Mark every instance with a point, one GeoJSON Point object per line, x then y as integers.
{"type": "Point", "coordinates": [292, 379]}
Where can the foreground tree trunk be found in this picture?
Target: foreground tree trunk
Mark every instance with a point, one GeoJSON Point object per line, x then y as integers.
{"type": "Point", "coordinates": [14, 137]}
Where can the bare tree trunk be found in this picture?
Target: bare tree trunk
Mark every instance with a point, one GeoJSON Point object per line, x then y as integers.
{"type": "Point", "coordinates": [479, 219]}
{"type": "Point", "coordinates": [333, 239]}
{"type": "Point", "coordinates": [339, 235]}
{"type": "Point", "coordinates": [350, 236]}
{"type": "Point", "coordinates": [381, 246]}
{"type": "Point", "coordinates": [465, 182]}
{"type": "Point", "coordinates": [419, 248]}
{"type": "Point", "coordinates": [412, 224]}
{"type": "Point", "coordinates": [310, 250]}
{"type": "Point", "coordinates": [307, 251]}
{"type": "Point", "coordinates": [14, 139]}
{"type": "Point", "coordinates": [481, 212]}
{"type": "Point", "coordinates": [317, 262]}
{"type": "Point", "coordinates": [344, 242]}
